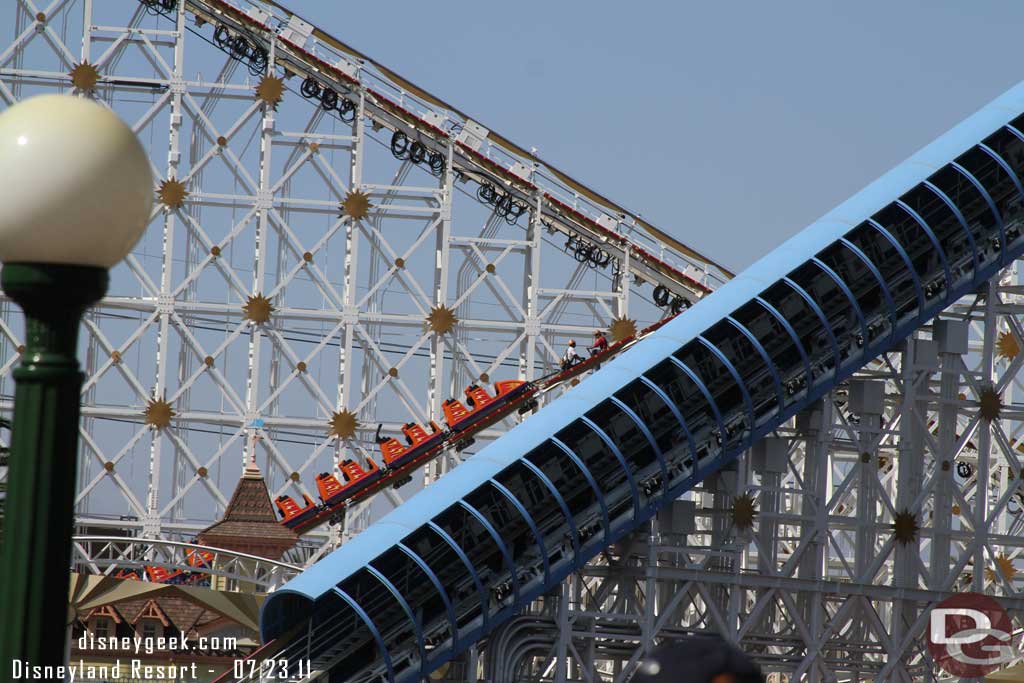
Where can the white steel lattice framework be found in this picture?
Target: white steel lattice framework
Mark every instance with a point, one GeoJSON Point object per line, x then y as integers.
{"type": "Point", "coordinates": [331, 249]}
{"type": "Point", "coordinates": [823, 549]}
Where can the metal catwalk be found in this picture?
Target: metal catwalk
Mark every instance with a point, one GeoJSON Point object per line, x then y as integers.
{"type": "Point", "coordinates": [457, 560]}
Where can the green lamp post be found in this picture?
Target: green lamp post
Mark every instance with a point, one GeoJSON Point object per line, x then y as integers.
{"type": "Point", "coordinates": [75, 195]}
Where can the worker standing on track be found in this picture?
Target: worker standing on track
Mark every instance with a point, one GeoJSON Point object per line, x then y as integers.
{"type": "Point", "coordinates": [697, 659]}
{"type": "Point", "coordinates": [570, 358]}
{"type": "Point", "coordinates": [600, 344]}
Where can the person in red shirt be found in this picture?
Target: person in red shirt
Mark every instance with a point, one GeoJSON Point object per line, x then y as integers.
{"type": "Point", "coordinates": [600, 344]}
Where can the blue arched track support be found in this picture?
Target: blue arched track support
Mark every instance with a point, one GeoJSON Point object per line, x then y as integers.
{"type": "Point", "coordinates": [505, 554]}
{"type": "Point", "coordinates": [481, 591]}
{"type": "Point", "coordinates": [606, 523]}
{"type": "Point", "coordinates": [537, 535]}
{"type": "Point", "coordinates": [822, 341]}
{"type": "Point", "coordinates": [918, 287]}
{"type": "Point", "coordinates": [436, 583]}
{"type": "Point", "coordinates": [574, 532]}
{"type": "Point", "coordinates": [390, 587]}
{"type": "Point", "coordinates": [662, 465]}
{"type": "Point", "coordinates": [622, 461]}
{"type": "Point", "coordinates": [765, 358]}
{"type": "Point", "coordinates": [693, 377]}
{"type": "Point", "coordinates": [848, 293]}
{"type": "Point", "coordinates": [890, 304]}
{"type": "Point", "coordinates": [794, 337]}
{"type": "Point", "coordinates": [374, 631]}
{"type": "Point", "coordinates": [822, 318]}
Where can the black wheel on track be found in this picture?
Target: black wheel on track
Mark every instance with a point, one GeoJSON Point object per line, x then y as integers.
{"type": "Point", "coordinates": [310, 88]}
{"type": "Point", "coordinates": [400, 145]}
{"type": "Point", "coordinates": [328, 99]}
{"type": "Point", "coordinates": [661, 296]}
{"type": "Point", "coordinates": [486, 193]}
{"type": "Point", "coordinates": [222, 37]}
{"type": "Point", "coordinates": [346, 110]}
{"type": "Point", "coordinates": [257, 61]}
{"type": "Point", "coordinates": [417, 153]}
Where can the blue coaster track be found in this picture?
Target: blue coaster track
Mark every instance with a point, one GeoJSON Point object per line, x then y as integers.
{"type": "Point", "coordinates": [461, 557]}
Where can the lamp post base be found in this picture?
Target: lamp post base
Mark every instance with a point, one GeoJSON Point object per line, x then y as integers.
{"type": "Point", "coordinates": [36, 552]}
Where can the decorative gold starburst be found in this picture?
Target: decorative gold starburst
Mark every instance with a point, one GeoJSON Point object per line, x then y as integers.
{"type": "Point", "coordinates": [270, 90]}
{"type": "Point", "coordinates": [257, 309]}
{"type": "Point", "coordinates": [743, 512]}
{"type": "Point", "coordinates": [1007, 345]}
{"type": "Point", "coordinates": [989, 404]}
{"type": "Point", "coordinates": [904, 526]}
{"type": "Point", "coordinates": [441, 319]}
{"type": "Point", "coordinates": [1004, 565]}
{"type": "Point", "coordinates": [356, 205]}
{"type": "Point", "coordinates": [158, 413]}
{"type": "Point", "coordinates": [621, 328]}
{"type": "Point", "coordinates": [84, 76]}
{"type": "Point", "coordinates": [343, 424]}
{"type": "Point", "coordinates": [172, 193]}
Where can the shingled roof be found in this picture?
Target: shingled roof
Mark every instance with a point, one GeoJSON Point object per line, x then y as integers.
{"type": "Point", "coordinates": [249, 524]}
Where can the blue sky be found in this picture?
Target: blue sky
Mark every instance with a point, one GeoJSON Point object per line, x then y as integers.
{"type": "Point", "coordinates": [730, 124]}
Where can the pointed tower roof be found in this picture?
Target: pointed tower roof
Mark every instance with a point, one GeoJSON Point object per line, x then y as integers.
{"type": "Point", "coordinates": [249, 524]}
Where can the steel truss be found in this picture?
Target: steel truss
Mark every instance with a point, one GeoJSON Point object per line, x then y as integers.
{"type": "Point", "coordinates": [823, 549]}
{"type": "Point", "coordinates": [304, 279]}
{"type": "Point", "coordinates": [113, 555]}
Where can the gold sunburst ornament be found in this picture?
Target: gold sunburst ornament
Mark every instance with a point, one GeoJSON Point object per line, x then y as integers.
{"type": "Point", "coordinates": [1004, 565]}
{"type": "Point", "coordinates": [743, 512]}
{"type": "Point", "coordinates": [257, 309]}
{"type": "Point", "coordinates": [159, 413]}
{"type": "Point", "coordinates": [270, 90]}
{"type": "Point", "coordinates": [989, 404]}
{"type": "Point", "coordinates": [1007, 345]}
{"type": "Point", "coordinates": [356, 205]}
{"type": "Point", "coordinates": [84, 76]}
{"type": "Point", "coordinates": [441, 319]}
{"type": "Point", "coordinates": [904, 526]}
{"type": "Point", "coordinates": [343, 424]}
{"type": "Point", "coordinates": [172, 193]}
{"type": "Point", "coordinates": [622, 328]}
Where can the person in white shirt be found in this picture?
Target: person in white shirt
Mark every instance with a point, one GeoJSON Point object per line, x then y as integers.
{"type": "Point", "coordinates": [570, 358]}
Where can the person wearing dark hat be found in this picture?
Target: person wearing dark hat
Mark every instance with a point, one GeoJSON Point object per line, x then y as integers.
{"type": "Point", "coordinates": [697, 659]}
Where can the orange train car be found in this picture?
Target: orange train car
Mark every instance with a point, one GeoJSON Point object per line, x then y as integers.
{"type": "Point", "coordinates": [417, 442]}
{"type": "Point", "coordinates": [332, 492]}
{"type": "Point", "coordinates": [356, 479]}
{"type": "Point", "coordinates": [480, 403]}
{"type": "Point", "coordinates": [291, 512]}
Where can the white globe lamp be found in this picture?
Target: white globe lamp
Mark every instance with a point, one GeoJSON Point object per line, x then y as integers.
{"type": "Point", "coordinates": [75, 196]}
